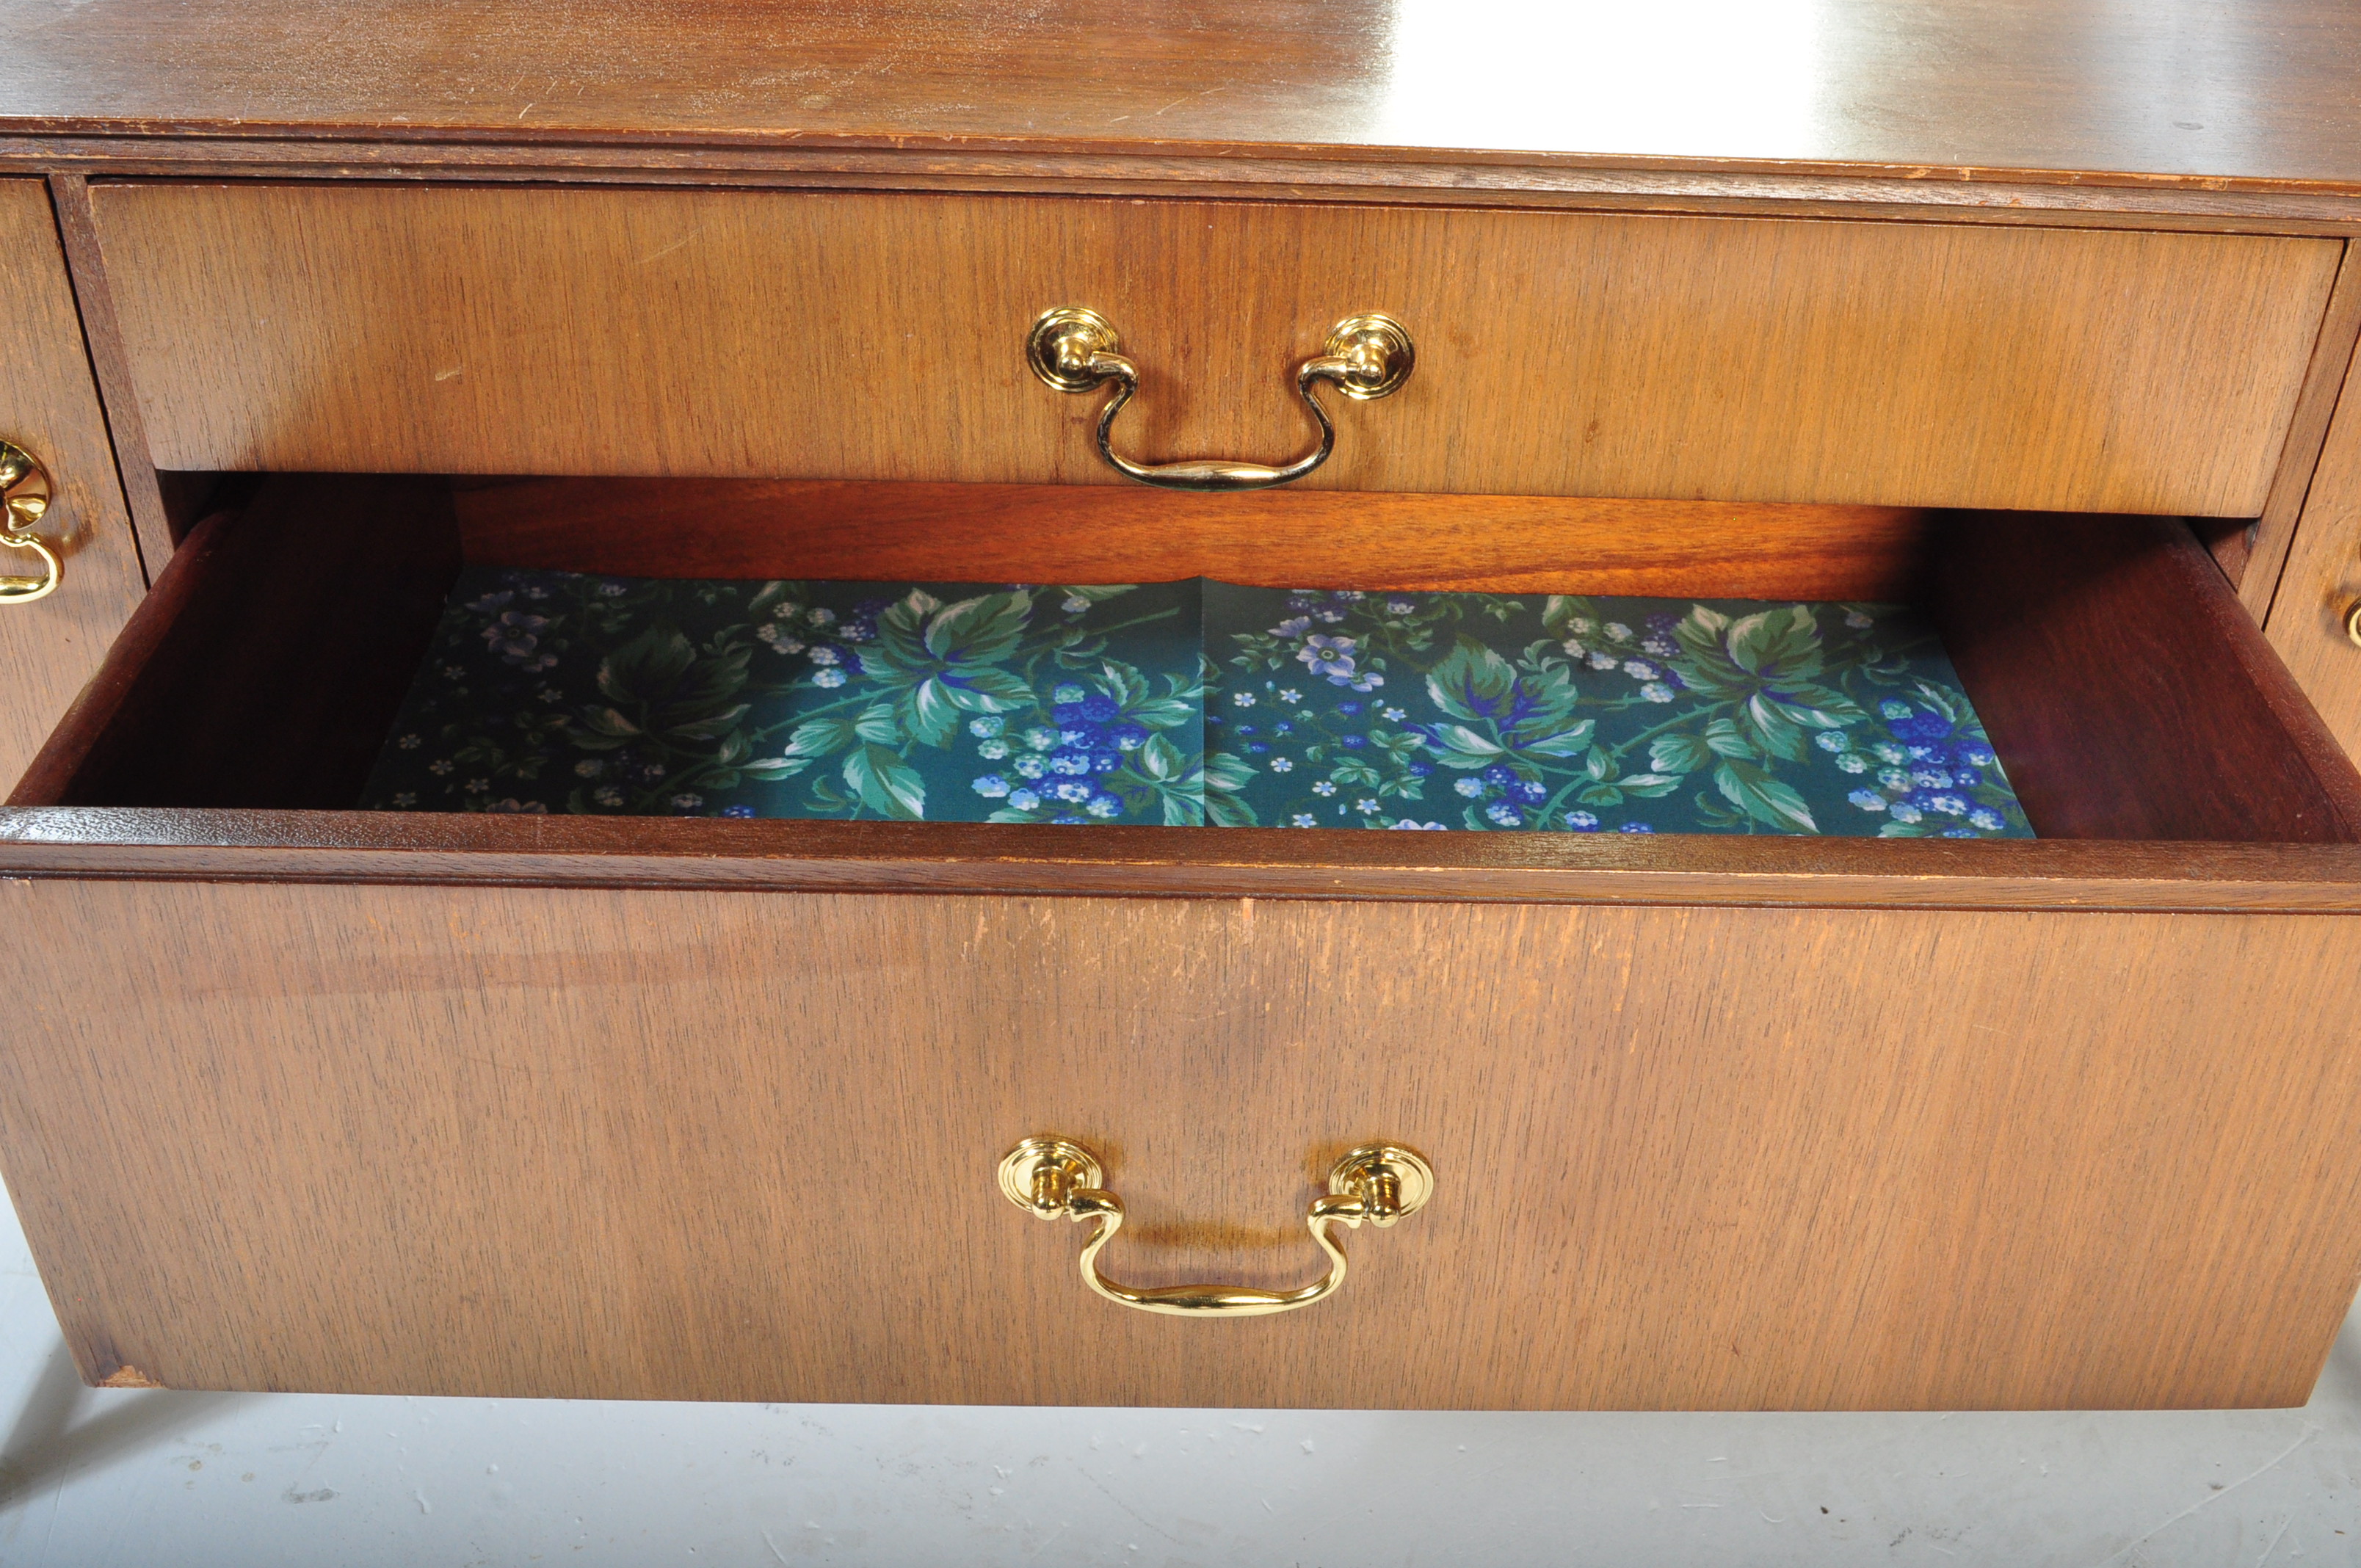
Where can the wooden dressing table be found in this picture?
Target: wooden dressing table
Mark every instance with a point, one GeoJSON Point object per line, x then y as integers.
{"type": "Point", "coordinates": [2031, 312]}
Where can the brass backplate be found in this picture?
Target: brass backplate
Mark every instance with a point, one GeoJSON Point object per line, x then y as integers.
{"type": "Point", "coordinates": [1064, 338]}
{"type": "Point", "coordinates": [1370, 335]}
{"type": "Point", "coordinates": [1028, 1159]}
{"type": "Point", "coordinates": [1413, 1177]}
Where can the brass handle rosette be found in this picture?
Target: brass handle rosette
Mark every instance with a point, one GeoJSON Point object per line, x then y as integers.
{"type": "Point", "coordinates": [1377, 1184]}
{"type": "Point", "coordinates": [1073, 349]}
{"type": "Point", "coordinates": [24, 495]}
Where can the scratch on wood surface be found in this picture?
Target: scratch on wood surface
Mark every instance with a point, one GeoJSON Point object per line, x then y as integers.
{"type": "Point", "coordinates": [659, 253]}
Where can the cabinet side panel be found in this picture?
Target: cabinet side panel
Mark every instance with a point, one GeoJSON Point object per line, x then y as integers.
{"type": "Point", "coordinates": [508, 1142]}
{"type": "Point", "coordinates": [48, 406]}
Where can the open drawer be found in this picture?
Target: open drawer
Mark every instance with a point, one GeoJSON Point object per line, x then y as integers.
{"type": "Point", "coordinates": [297, 1097]}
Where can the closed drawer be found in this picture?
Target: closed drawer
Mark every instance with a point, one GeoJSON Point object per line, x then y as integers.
{"type": "Point", "coordinates": [840, 335]}
{"type": "Point", "coordinates": [49, 408]}
{"type": "Point", "coordinates": [2315, 617]}
{"type": "Point", "coordinates": [307, 1099]}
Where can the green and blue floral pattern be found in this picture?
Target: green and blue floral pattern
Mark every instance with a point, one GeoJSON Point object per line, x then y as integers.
{"type": "Point", "coordinates": [1189, 703]}
{"type": "Point", "coordinates": [960, 702]}
{"type": "Point", "coordinates": [1457, 710]}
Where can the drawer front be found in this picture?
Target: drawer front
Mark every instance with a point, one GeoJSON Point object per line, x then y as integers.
{"type": "Point", "coordinates": [520, 1141]}
{"type": "Point", "coordinates": [48, 406]}
{"type": "Point", "coordinates": [2315, 617]}
{"type": "Point", "coordinates": [845, 335]}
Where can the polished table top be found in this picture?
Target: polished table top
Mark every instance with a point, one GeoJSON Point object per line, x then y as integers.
{"type": "Point", "coordinates": [2192, 91]}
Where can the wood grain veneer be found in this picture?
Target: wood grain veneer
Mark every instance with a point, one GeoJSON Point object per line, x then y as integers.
{"type": "Point", "coordinates": [2259, 559]}
{"type": "Point", "coordinates": [142, 492]}
{"type": "Point", "coordinates": [1032, 534]}
{"type": "Point", "coordinates": [2323, 579]}
{"type": "Point", "coordinates": [498, 1142]}
{"type": "Point", "coordinates": [48, 407]}
{"type": "Point", "coordinates": [2126, 689]}
{"type": "Point", "coordinates": [877, 336]}
{"type": "Point", "coordinates": [2055, 875]}
{"type": "Point", "coordinates": [1925, 92]}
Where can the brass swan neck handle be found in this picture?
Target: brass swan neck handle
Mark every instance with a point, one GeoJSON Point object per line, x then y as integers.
{"type": "Point", "coordinates": [1377, 1184]}
{"type": "Point", "coordinates": [1073, 349]}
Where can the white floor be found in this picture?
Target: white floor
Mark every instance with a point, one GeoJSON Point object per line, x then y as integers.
{"type": "Point", "coordinates": [155, 1479]}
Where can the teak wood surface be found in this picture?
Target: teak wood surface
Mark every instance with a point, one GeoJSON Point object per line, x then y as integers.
{"type": "Point", "coordinates": [48, 407]}
{"type": "Point", "coordinates": [2019, 95]}
{"type": "Point", "coordinates": [2323, 580]}
{"type": "Point", "coordinates": [1284, 538]}
{"type": "Point", "coordinates": [638, 1143]}
{"type": "Point", "coordinates": [818, 335]}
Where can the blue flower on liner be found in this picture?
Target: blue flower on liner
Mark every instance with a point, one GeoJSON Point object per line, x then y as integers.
{"type": "Point", "coordinates": [1328, 656]}
{"type": "Point", "coordinates": [1096, 708]}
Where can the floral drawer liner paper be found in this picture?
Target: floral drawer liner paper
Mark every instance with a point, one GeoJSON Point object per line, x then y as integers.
{"type": "Point", "coordinates": [1186, 703]}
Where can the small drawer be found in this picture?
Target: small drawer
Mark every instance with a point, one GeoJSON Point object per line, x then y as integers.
{"type": "Point", "coordinates": [848, 335]}
{"type": "Point", "coordinates": [304, 1097]}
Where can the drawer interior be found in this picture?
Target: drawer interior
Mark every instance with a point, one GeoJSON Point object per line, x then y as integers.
{"type": "Point", "coordinates": [2126, 690]}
